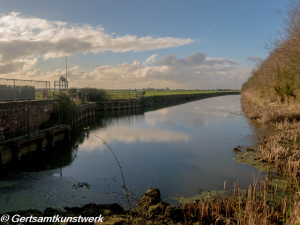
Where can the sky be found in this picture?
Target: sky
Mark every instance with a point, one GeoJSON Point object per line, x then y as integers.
{"type": "Point", "coordinates": [196, 44]}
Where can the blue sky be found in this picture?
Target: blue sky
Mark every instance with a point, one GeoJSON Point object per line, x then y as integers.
{"type": "Point", "coordinates": [217, 36]}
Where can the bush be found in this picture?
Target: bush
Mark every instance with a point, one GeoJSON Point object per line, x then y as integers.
{"type": "Point", "coordinates": [91, 94]}
{"type": "Point", "coordinates": [68, 109]}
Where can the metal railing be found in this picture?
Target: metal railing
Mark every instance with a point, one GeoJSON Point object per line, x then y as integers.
{"type": "Point", "coordinates": [9, 92]}
{"type": "Point", "coordinates": [17, 89]}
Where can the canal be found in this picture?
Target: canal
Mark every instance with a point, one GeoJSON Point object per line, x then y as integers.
{"type": "Point", "coordinates": [182, 150]}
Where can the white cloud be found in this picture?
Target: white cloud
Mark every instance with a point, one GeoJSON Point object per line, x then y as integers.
{"type": "Point", "coordinates": [18, 65]}
{"type": "Point", "coordinates": [150, 59]}
{"type": "Point", "coordinates": [23, 40]}
{"type": "Point", "coordinates": [196, 71]}
{"type": "Point", "coordinates": [26, 38]}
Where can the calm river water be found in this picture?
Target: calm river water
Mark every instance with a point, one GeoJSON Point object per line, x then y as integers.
{"type": "Point", "coordinates": [178, 149]}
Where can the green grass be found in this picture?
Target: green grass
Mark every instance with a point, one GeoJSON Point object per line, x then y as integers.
{"type": "Point", "coordinates": [137, 94]}
{"type": "Point", "coordinates": [38, 94]}
{"type": "Point", "coordinates": [153, 93]}
{"type": "Point", "coordinates": [123, 94]}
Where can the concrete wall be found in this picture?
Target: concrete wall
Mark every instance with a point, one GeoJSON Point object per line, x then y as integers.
{"type": "Point", "coordinates": [23, 146]}
{"type": "Point", "coordinates": [84, 111]}
{"type": "Point", "coordinates": [14, 117]}
{"type": "Point", "coordinates": [16, 144]}
{"type": "Point", "coordinates": [118, 104]}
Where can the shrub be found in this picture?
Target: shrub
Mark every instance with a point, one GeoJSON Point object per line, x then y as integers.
{"type": "Point", "coordinates": [68, 109]}
{"type": "Point", "coordinates": [91, 94]}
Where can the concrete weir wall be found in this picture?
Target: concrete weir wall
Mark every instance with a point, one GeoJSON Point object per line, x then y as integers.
{"type": "Point", "coordinates": [17, 143]}
{"type": "Point", "coordinates": [118, 104]}
{"type": "Point", "coordinates": [17, 148]}
{"type": "Point", "coordinates": [85, 111]}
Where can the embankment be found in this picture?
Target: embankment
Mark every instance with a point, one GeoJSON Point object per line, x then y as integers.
{"type": "Point", "coordinates": [167, 100]}
{"type": "Point", "coordinates": [265, 110]}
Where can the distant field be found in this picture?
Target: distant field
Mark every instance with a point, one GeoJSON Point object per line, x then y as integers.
{"type": "Point", "coordinates": [137, 94]}
{"type": "Point", "coordinates": [38, 94]}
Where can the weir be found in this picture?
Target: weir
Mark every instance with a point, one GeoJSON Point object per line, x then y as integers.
{"type": "Point", "coordinates": [85, 111]}
{"type": "Point", "coordinates": [21, 147]}
{"type": "Point", "coordinates": [20, 123]}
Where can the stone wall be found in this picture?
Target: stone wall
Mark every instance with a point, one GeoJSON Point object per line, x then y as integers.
{"type": "Point", "coordinates": [14, 117]}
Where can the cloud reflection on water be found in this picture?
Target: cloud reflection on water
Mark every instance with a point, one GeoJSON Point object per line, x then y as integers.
{"type": "Point", "coordinates": [164, 125]}
{"type": "Point", "coordinates": [123, 134]}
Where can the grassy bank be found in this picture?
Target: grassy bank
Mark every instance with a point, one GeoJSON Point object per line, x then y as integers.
{"type": "Point", "coordinates": [183, 92]}
{"type": "Point", "coordinates": [174, 98]}
{"type": "Point", "coordinates": [137, 94]}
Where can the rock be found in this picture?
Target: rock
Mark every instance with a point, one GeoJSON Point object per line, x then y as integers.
{"type": "Point", "coordinates": [158, 209]}
{"type": "Point", "coordinates": [151, 197]}
{"type": "Point", "coordinates": [155, 210]}
{"type": "Point", "coordinates": [173, 213]}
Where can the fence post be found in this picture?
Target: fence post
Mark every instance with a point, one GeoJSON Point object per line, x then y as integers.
{"type": "Point", "coordinates": [58, 113]}
{"type": "Point", "coordinates": [28, 118]}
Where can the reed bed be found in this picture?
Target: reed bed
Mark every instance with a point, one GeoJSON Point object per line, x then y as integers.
{"type": "Point", "coordinates": [262, 203]}
{"type": "Point", "coordinates": [266, 201]}
{"type": "Point", "coordinates": [253, 207]}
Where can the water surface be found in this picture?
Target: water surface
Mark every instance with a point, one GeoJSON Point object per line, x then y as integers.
{"type": "Point", "coordinates": [180, 150]}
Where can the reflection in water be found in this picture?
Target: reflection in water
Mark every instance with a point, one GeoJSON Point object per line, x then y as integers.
{"type": "Point", "coordinates": [188, 146]}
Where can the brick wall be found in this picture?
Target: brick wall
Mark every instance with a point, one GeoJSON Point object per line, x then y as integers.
{"type": "Point", "coordinates": [14, 121]}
